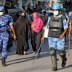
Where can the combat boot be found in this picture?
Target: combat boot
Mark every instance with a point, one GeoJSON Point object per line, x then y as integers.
{"type": "Point", "coordinates": [64, 62]}
{"type": "Point", "coordinates": [3, 62]}
{"type": "Point", "coordinates": [63, 57]}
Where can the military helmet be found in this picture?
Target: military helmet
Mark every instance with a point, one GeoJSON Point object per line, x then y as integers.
{"type": "Point", "coordinates": [56, 6]}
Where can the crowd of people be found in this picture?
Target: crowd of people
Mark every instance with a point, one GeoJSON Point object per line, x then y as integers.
{"type": "Point", "coordinates": [31, 24]}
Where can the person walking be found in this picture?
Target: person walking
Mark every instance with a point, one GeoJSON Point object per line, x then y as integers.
{"type": "Point", "coordinates": [36, 34]}
{"type": "Point", "coordinates": [56, 37]}
{"type": "Point", "coordinates": [6, 22]}
{"type": "Point", "coordinates": [21, 32]}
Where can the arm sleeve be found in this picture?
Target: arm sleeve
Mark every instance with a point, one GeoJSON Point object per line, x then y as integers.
{"type": "Point", "coordinates": [65, 25]}
{"type": "Point", "coordinates": [10, 20]}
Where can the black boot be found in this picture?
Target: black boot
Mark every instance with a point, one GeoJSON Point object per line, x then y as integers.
{"type": "Point", "coordinates": [3, 62]}
{"type": "Point", "coordinates": [63, 57]}
{"type": "Point", "coordinates": [64, 62]}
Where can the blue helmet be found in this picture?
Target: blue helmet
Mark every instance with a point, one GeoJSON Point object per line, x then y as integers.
{"type": "Point", "coordinates": [1, 8]}
{"type": "Point", "coordinates": [56, 6]}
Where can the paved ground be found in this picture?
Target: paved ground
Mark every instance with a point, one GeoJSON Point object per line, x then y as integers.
{"type": "Point", "coordinates": [26, 63]}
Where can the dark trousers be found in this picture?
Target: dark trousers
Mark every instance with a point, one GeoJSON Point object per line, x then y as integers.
{"type": "Point", "coordinates": [36, 40]}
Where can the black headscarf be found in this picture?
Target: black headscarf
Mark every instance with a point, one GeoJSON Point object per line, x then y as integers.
{"type": "Point", "coordinates": [21, 24]}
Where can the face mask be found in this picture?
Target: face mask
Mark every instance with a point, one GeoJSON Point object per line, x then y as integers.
{"type": "Point", "coordinates": [55, 13]}
{"type": "Point", "coordinates": [1, 13]}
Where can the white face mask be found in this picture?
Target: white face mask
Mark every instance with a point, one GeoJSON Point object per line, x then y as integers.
{"type": "Point", "coordinates": [1, 13]}
{"type": "Point", "coordinates": [55, 13]}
